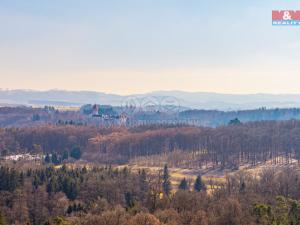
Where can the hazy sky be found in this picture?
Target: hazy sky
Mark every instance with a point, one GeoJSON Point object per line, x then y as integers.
{"type": "Point", "coordinates": [129, 46]}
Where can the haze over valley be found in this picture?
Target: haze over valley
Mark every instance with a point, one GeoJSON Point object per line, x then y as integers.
{"type": "Point", "coordinates": [191, 100]}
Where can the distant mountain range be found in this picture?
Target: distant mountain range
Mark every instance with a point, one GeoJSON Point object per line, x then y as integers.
{"type": "Point", "coordinates": [195, 100]}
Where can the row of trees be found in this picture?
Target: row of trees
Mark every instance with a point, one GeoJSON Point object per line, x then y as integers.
{"type": "Point", "coordinates": [215, 118]}
{"type": "Point", "coordinates": [55, 158]}
{"type": "Point", "coordinates": [184, 185]}
{"type": "Point", "coordinates": [228, 146]}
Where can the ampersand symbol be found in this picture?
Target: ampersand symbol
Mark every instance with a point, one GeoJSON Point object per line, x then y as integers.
{"type": "Point", "coordinates": [286, 15]}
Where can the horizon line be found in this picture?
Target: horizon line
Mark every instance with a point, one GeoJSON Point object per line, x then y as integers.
{"type": "Point", "coordinates": [144, 93]}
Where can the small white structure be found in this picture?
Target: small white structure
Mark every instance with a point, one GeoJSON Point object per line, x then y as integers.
{"type": "Point", "coordinates": [26, 156]}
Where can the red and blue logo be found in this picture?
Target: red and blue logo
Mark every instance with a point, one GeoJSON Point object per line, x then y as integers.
{"type": "Point", "coordinates": [286, 17]}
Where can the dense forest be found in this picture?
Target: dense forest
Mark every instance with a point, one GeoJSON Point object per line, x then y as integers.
{"type": "Point", "coordinates": [226, 146]}
{"type": "Point", "coordinates": [54, 189]}
{"type": "Point", "coordinates": [107, 196]}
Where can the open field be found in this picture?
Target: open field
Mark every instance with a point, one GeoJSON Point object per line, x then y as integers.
{"type": "Point", "coordinates": [213, 177]}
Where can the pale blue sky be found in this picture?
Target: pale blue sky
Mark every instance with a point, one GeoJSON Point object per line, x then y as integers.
{"type": "Point", "coordinates": [144, 45]}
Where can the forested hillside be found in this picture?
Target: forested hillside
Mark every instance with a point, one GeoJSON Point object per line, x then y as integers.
{"type": "Point", "coordinates": [106, 115]}
{"type": "Point", "coordinates": [226, 146]}
{"type": "Point", "coordinates": [216, 118]}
